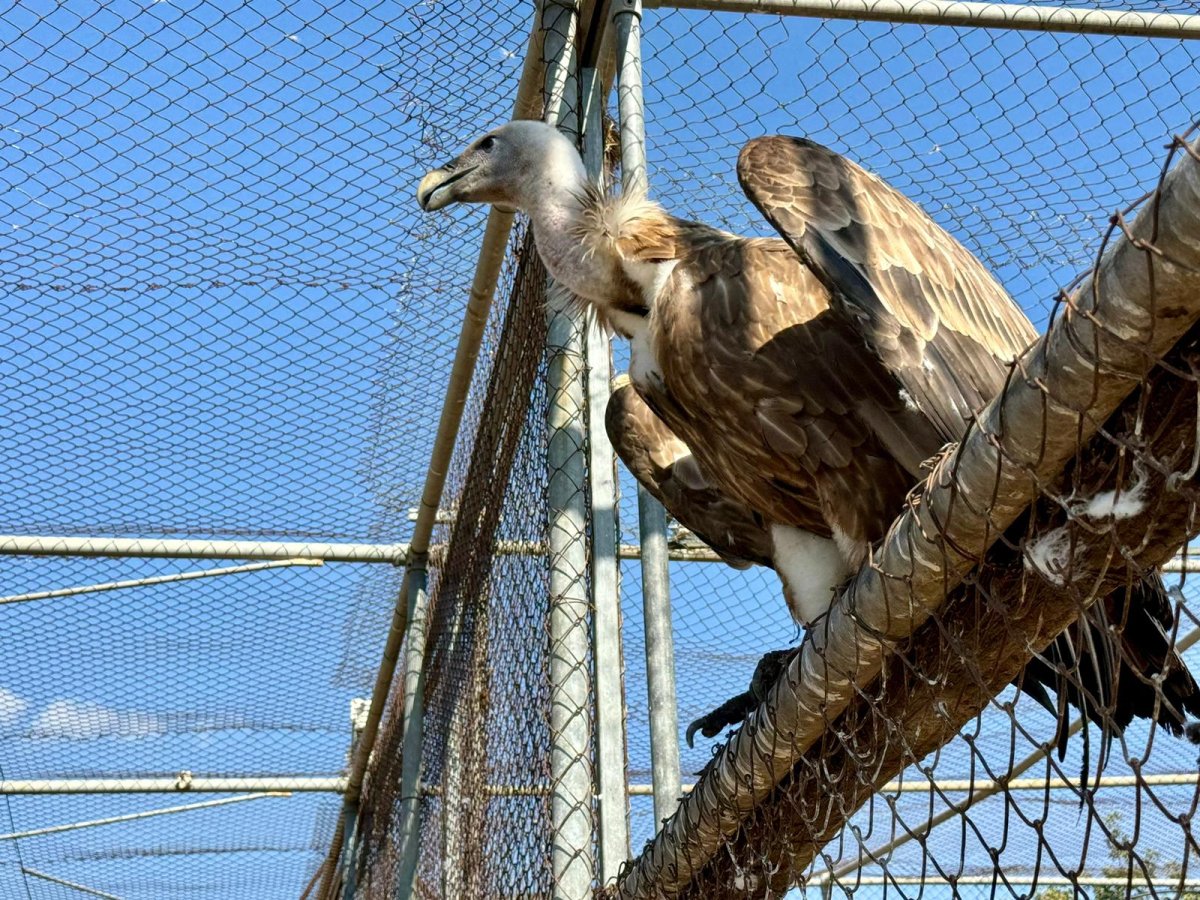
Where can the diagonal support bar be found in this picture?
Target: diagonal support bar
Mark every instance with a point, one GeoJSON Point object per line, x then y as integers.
{"type": "Point", "coordinates": [156, 579]}
{"type": "Point", "coordinates": [62, 882]}
{"type": "Point", "coordinates": [138, 816]}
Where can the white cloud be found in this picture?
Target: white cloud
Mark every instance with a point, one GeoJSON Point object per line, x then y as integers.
{"type": "Point", "coordinates": [12, 707]}
{"type": "Point", "coordinates": [81, 720]}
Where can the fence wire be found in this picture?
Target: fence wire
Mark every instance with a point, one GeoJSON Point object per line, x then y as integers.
{"type": "Point", "coordinates": [225, 318]}
{"type": "Point", "coordinates": [1026, 172]}
{"type": "Point", "coordinates": [220, 321]}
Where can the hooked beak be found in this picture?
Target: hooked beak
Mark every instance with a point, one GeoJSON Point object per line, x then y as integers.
{"type": "Point", "coordinates": [433, 193]}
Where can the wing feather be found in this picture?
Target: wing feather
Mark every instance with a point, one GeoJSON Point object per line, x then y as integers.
{"type": "Point", "coordinates": [664, 465]}
{"type": "Point", "coordinates": [925, 305]}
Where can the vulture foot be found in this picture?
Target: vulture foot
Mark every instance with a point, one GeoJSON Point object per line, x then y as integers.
{"type": "Point", "coordinates": [734, 710]}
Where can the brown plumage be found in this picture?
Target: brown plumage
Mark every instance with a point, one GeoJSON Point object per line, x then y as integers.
{"type": "Point", "coordinates": [813, 377]}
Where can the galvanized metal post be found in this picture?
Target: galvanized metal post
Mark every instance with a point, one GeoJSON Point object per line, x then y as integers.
{"type": "Point", "coordinates": [414, 727]}
{"type": "Point", "coordinates": [570, 689]}
{"type": "Point", "coordinates": [349, 861]}
{"type": "Point", "coordinates": [350, 811]}
{"type": "Point", "coordinates": [612, 797]}
{"type": "Point", "coordinates": [656, 591]}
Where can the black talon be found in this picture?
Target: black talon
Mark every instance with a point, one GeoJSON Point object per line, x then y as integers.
{"type": "Point", "coordinates": [734, 710]}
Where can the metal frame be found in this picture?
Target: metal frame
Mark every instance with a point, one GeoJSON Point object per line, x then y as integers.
{"type": "Point", "coordinates": [567, 546]}
{"type": "Point", "coordinates": [182, 783]}
{"type": "Point", "coordinates": [157, 579]}
{"type": "Point", "coordinates": [409, 812]}
{"type": "Point", "coordinates": [170, 548]}
{"type": "Point", "coordinates": [572, 861]}
{"type": "Point", "coordinates": [652, 518]}
{"type": "Point", "coordinates": [134, 817]}
{"type": "Point", "coordinates": [1008, 16]}
{"type": "Point", "coordinates": [62, 882]}
{"type": "Point", "coordinates": [612, 790]}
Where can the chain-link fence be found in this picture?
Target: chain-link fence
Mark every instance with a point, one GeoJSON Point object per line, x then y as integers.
{"type": "Point", "coordinates": [227, 321]}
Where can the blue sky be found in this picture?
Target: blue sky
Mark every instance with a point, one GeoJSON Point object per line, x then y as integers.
{"type": "Point", "coordinates": [223, 316]}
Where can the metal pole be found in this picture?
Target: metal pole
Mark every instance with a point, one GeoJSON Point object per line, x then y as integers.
{"type": "Point", "coordinates": [133, 817]}
{"type": "Point", "coordinates": [163, 548]}
{"type": "Point", "coordinates": [157, 579]}
{"type": "Point", "coordinates": [570, 689]}
{"type": "Point", "coordinates": [612, 804]}
{"type": "Point", "coordinates": [409, 815]}
{"type": "Point", "coordinates": [1013, 16]}
{"type": "Point", "coordinates": [182, 783]}
{"type": "Point", "coordinates": [349, 851]}
{"type": "Point", "coordinates": [652, 518]}
{"type": "Point", "coordinates": [351, 809]}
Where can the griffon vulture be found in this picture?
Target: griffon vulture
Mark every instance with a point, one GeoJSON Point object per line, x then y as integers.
{"type": "Point", "coordinates": [786, 391]}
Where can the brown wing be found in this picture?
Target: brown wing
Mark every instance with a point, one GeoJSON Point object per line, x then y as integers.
{"type": "Point", "coordinates": [782, 403]}
{"type": "Point", "coordinates": [924, 304]}
{"type": "Point", "coordinates": [664, 465]}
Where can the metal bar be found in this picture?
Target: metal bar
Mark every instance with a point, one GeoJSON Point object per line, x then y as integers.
{"type": "Point", "coordinates": [284, 554]}
{"type": "Point", "coordinates": [165, 548]}
{"type": "Point", "coordinates": [1177, 565]}
{"type": "Point", "coordinates": [1048, 880]}
{"type": "Point", "coordinates": [1013, 783]}
{"type": "Point", "coordinates": [492, 250]}
{"type": "Point", "coordinates": [572, 860]}
{"type": "Point", "coordinates": [409, 813]}
{"type": "Point", "coordinates": [157, 579]}
{"type": "Point", "coordinates": [660, 657]}
{"type": "Point", "coordinates": [1014, 16]}
{"type": "Point", "coordinates": [83, 889]}
{"type": "Point", "coordinates": [954, 785]}
{"type": "Point", "coordinates": [652, 518]}
{"type": "Point", "coordinates": [612, 805]}
{"type": "Point", "coordinates": [183, 783]}
{"type": "Point", "coordinates": [349, 858]}
{"type": "Point", "coordinates": [132, 817]}
{"type": "Point", "coordinates": [627, 17]}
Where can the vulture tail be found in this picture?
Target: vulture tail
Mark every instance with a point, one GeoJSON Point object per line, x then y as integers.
{"type": "Point", "coordinates": [1115, 664]}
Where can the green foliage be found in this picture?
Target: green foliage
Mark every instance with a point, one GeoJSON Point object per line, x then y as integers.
{"type": "Point", "coordinates": [1151, 860]}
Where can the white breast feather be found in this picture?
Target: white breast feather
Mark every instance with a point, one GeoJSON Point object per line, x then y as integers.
{"type": "Point", "coordinates": [811, 567]}
{"type": "Point", "coordinates": [643, 364]}
{"type": "Point", "coordinates": [651, 277]}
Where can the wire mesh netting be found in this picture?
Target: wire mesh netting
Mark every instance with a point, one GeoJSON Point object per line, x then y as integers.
{"type": "Point", "coordinates": [226, 319]}
{"type": "Point", "coordinates": [216, 326]}
{"type": "Point", "coordinates": [1026, 175]}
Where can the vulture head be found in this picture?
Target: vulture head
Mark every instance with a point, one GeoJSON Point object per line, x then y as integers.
{"type": "Point", "coordinates": [516, 166]}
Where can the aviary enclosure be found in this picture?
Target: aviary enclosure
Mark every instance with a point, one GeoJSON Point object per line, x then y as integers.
{"type": "Point", "coordinates": [310, 506]}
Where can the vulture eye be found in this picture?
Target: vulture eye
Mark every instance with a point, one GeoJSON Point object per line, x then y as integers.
{"type": "Point", "coordinates": [487, 143]}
